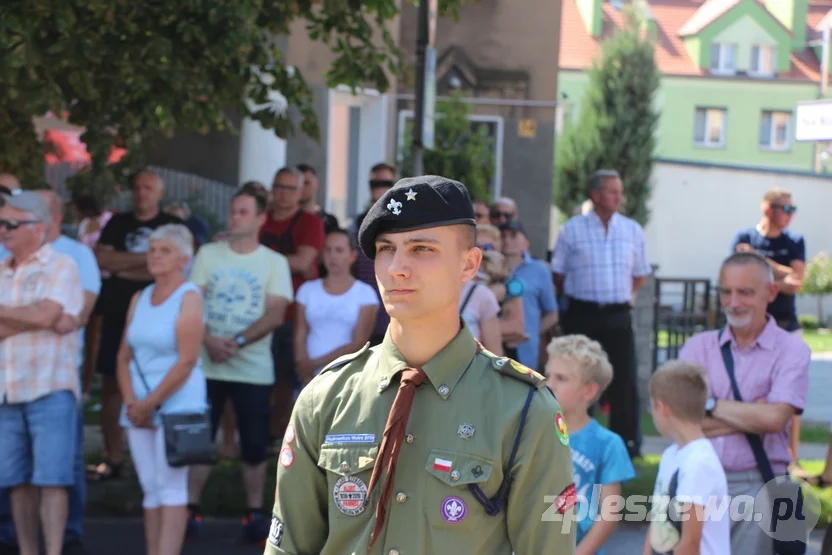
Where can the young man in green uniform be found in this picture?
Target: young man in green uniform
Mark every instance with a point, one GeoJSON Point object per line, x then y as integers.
{"type": "Point", "coordinates": [425, 444]}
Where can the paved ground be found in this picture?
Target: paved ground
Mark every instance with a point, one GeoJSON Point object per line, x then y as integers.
{"type": "Point", "coordinates": [126, 537]}
{"type": "Point", "coordinates": [818, 407]}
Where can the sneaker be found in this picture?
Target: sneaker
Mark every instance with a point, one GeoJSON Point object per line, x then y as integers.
{"type": "Point", "coordinates": [193, 526]}
{"type": "Point", "coordinates": [256, 529]}
{"type": "Point", "coordinates": [74, 547]}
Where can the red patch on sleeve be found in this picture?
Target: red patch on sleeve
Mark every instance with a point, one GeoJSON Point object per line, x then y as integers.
{"type": "Point", "coordinates": [567, 499]}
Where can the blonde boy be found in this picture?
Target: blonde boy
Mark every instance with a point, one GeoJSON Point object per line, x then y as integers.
{"type": "Point", "coordinates": [578, 371]}
{"type": "Point", "coordinates": [690, 476]}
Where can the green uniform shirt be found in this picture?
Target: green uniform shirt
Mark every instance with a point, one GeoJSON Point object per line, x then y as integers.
{"type": "Point", "coordinates": [461, 431]}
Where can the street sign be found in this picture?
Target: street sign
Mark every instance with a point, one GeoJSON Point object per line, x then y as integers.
{"type": "Point", "coordinates": [813, 121]}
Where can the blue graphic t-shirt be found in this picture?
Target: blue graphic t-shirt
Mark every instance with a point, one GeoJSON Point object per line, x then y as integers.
{"type": "Point", "coordinates": [599, 457]}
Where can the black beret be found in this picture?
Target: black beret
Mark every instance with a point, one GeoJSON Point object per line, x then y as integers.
{"type": "Point", "coordinates": [416, 203]}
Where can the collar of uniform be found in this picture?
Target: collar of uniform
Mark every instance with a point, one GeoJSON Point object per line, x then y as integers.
{"type": "Point", "coordinates": [446, 367]}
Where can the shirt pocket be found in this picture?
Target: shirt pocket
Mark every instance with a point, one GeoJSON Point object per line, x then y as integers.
{"type": "Point", "coordinates": [449, 502]}
{"type": "Point", "coordinates": [348, 470]}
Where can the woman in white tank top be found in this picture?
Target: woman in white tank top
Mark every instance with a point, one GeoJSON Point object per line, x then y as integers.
{"type": "Point", "coordinates": [162, 344]}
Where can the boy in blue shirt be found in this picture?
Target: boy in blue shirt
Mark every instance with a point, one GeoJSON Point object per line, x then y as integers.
{"type": "Point", "coordinates": [578, 371]}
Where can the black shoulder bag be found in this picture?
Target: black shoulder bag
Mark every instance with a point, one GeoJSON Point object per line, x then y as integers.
{"type": "Point", "coordinates": [783, 490]}
{"type": "Point", "coordinates": [188, 438]}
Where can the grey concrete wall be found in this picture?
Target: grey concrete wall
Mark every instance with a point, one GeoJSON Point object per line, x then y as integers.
{"type": "Point", "coordinates": [215, 155]}
{"type": "Point", "coordinates": [643, 317]}
{"type": "Point", "coordinates": [302, 149]}
{"type": "Point", "coordinates": [527, 178]}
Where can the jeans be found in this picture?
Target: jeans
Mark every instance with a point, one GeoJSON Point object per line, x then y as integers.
{"type": "Point", "coordinates": [77, 498]}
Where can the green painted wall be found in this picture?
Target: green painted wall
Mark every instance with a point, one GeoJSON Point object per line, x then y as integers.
{"type": "Point", "coordinates": [694, 46]}
{"type": "Point", "coordinates": [744, 100]}
{"type": "Point", "coordinates": [793, 15]}
{"type": "Point", "coordinates": [751, 24]}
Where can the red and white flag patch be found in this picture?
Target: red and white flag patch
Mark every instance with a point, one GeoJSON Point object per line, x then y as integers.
{"type": "Point", "coordinates": [567, 499]}
{"type": "Point", "coordinates": [442, 465]}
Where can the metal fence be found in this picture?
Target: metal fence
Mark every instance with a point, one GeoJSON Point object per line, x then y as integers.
{"type": "Point", "coordinates": [205, 196]}
{"type": "Point", "coordinates": [681, 307]}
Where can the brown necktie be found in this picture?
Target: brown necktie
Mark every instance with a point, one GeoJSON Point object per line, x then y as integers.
{"type": "Point", "coordinates": [391, 444]}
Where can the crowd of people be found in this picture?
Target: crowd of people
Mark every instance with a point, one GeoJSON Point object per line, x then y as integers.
{"type": "Point", "coordinates": [238, 325]}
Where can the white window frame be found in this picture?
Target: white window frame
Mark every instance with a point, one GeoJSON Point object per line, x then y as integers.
{"type": "Point", "coordinates": [497, 180]}
{"type": "Point", "coordinates": [722, 67]}
{"type": "Point", "coordinates": [759, 49]}
{"type": "Point", "coordinates": [772, 131]}
{"type": "Point", "coordinates": [706, 143]}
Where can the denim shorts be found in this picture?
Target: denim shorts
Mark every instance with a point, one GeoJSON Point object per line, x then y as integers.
{"type": "Point", "coordinates": [39, 440]}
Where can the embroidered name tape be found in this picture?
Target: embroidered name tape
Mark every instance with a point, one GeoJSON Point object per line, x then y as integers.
{"type": "Point", "coordinates": [350, 438]}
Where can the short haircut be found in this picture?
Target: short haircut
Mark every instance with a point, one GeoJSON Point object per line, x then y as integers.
{"type": "Point", "coordinates": [683, 387]}
{"type": "Point", "coordinates": [345, 233]}
{"type": "Point", "coordinates": [384, 166]}
{"type": "Point", "coordinates": [596, 182]}
{"type": "Point", "coordinates": [256, 191]}
{"type": "Point", "coordinates": [145, 171]}
{"type": "Point", "coordinates": [467, 236]}
{"type": "Point", "coordinates": [750, 258]}
{"type": "Point", "coordinates": [591, 359]}
{"type": "Point", "coordinates": [304, 168]}
{"type": "Point", "coordinates": [179, 235]}
{"type": "Point", "coordinates": [293, 171]}
{"type": "Point", "coordinates": [505, 200]}
{"type": "Point", "coordinates": [775, 194]}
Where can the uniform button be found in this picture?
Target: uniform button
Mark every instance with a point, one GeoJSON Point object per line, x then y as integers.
{"type": "Point", "coordinates": [455, 476]}
{"type": "Point", "coordinates": [409, 438]}
{"type": "Point", "coordinates": [345, 466]}
{"type": "Point", "coordinates": [500, 362]}
{"type": "Point", "coordinates": [382, 385]}
{"type": "Point", "coordinates": [401, 497]}
{"type": "Point", "coordinates": [394, 552]}
{"type": "Point", "coordinates": [444, 390]}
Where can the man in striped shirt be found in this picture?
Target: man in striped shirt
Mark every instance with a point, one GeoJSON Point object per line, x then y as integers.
{"type": "Point", "coordinates": [599, 262]}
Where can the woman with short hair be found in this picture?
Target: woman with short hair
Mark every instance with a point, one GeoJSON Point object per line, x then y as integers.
{"type": "Point", "coordinates": [159, 372]}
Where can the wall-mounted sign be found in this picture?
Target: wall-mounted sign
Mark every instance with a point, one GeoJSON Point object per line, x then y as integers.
{"type": "Point", "coordinates": [813, 121]}
{"type": "Point", "coordinates": [527, 128]}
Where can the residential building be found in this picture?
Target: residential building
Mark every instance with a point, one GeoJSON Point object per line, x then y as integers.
{"type": "Point", "coordinates": [733, 72]}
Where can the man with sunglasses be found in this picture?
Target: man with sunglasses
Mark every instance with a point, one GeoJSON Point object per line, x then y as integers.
{"type": "Point", "coordinates": [503, 210]}
{"type": "Point", "coordinates": [784, 249]}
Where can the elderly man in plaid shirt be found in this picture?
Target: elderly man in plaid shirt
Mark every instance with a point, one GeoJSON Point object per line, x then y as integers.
{"type": "Point", "coordinates": [40, 298]}
{"type": "Point", "coordinates": [599, 262]}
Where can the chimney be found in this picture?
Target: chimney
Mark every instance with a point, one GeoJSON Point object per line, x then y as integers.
{"type": "Point", "coordinates": [590, 11]}
{"type": "Point", "coordinates": [792, 14]}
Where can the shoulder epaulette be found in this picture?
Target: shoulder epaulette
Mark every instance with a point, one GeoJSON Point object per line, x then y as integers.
{"type": "Point", "coordinates": [513, 369]}
{"type": "Point", "coordinates": [346, 359]}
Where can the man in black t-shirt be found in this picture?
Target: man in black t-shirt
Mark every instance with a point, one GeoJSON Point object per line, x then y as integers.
{"type": "Point", "coordinates": [785, 251]}
{"type": "Point", "coordinates": [121, 254]}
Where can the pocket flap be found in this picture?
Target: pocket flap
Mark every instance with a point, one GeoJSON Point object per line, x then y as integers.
{"type": "Point", "coordinates": [456, 469]}
{"type": "Point", "coordinates": [347, 460]}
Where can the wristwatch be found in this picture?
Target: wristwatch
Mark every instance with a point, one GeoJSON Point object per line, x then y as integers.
{"type": "Point", "coordinates": [240, 340]}
{"type": "Point", "coordinates": [710, 405]}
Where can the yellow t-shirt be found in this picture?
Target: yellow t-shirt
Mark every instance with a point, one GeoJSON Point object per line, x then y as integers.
{"type": "Point", "coordinates": [236, 286]}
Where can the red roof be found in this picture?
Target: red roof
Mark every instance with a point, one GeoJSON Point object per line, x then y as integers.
{"type": "Point", "coordinates": [578, 48]}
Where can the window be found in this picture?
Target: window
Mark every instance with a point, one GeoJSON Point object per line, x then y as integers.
{"type": "Point", "coordinates": [774, 130]}
{"type": "Point", "coordinates": [763, 60]}
{"type": "Point", "coordinates": [493, 126]}
{"type": "Point", "coordinates": [709, 127]}
{"type": "Point", "coordinates": [722, 58]}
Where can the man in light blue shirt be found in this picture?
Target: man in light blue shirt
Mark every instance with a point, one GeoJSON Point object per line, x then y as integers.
{"type": "Point", "coordinates": [91, 282]}
{"type": "Point", "coordinates": [540, 309]}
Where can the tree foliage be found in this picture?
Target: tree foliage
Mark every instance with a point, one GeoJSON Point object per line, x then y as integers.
{"type": "Point", "coordinates": [128, 71]}
{"type": "Point", "coordinates": [462, 151]}
{"type": "Point", "coordinates": [616, 125]}
{"type": "Point", "coordinates": [818, 280]}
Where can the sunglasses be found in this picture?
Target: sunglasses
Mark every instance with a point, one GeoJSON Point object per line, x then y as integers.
{"type": "Point", "coordinates": [11, 225]}
{"type": "Point", "coordinates": [488, 247]}
{"type": "Point", "coordinates": [497, 214]}
{"type": "Point", "coordinates": [786, 208]}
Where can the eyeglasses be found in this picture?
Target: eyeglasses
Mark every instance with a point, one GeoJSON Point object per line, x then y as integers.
{"type": "Point", "coordinates": [488, 247]}
{"type": "Point", "coordinates": [11, 225]}
{"type": "Point", "coordinates": [786, 208]}
{"type": "Point", "coordinates": [497, 214]}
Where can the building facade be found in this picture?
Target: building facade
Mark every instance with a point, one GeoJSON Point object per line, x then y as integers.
{"type": "Point", "coordinates": [733, 72]}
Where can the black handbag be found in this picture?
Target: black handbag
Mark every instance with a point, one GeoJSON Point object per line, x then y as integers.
{"type": "Point", "coordinates": [782, 488]}
{"type": "Point", "coordinates": [188, 438]}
